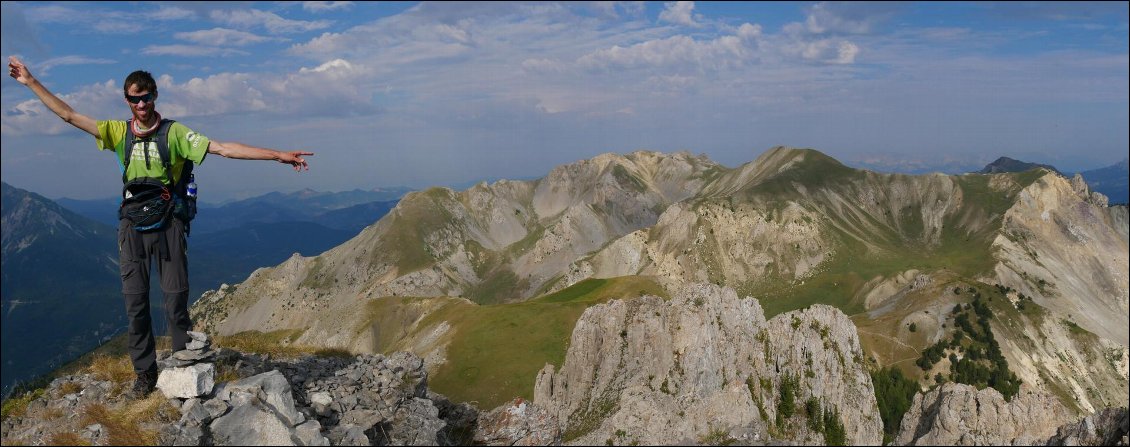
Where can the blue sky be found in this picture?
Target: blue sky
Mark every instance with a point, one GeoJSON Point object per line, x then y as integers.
{"type": "Point", "coordinates": [390, 94]}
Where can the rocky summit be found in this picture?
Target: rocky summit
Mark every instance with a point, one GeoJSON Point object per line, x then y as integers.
{"type": "Point", "coordinates": [363, 400]}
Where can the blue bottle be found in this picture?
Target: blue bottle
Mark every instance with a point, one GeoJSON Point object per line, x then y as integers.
{"type": "Point", "coordinates": [191, 190]}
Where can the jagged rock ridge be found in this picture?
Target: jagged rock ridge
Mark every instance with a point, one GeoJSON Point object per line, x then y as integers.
{"type": "Point", "coordinates": [657, 372]}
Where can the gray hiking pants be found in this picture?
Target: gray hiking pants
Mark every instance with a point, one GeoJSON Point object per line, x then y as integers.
{"type": "Point", "coordinates": [135, 252]}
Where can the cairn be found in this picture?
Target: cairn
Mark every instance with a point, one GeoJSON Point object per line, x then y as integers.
{"type": "Point", "coordinates": [188, 373]}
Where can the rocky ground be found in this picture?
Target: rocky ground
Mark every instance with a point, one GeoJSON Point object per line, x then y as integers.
{"type": "Point", "coordinates": [311, 400]}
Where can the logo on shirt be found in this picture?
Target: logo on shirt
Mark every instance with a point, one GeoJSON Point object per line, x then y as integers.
{"type": "Point", "coordinates": [145, 146]}
{"type": "Point", "coordinates": [193, 138]}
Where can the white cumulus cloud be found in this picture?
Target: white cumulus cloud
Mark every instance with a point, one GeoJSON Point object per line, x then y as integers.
{"type": "Point", "coordinates": [846, 18]}
{"type": "Point", "coordinates": [166, 13]}
{"type": "Point", "coordinates": [831, 51]}
{"type": "Point", "coordinates": [679, 13]}
{"type": "Point", "coordinates": [213, 95]}
{"type": "Point", "coordinates": [676, 51]}
{"type": "Point", "coordinates": [31, 117]}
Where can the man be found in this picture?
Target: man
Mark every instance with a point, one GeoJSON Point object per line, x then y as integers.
{"type": "Point", "coordinates": [167, 242]}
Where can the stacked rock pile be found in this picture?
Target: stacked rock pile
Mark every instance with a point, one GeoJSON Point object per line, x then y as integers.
{"type": "Point", "coordinates": [188, 373]}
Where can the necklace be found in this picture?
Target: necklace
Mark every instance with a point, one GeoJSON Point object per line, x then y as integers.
{"type": "Point", "coordinates": [142, 133]}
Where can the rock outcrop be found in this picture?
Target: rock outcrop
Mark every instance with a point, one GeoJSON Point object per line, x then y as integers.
{"type": "Point", "coordinates": [957, 414]}
{"type": "Point", "coordinates": [518, 423]}
{"type": "Point", "coordinates": [1107, 427]}
{"type": "Point", "coordinates": [707, 365]}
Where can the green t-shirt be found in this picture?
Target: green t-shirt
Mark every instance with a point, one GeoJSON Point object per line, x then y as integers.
{"type": "Point", "coordinates": [184, 144]}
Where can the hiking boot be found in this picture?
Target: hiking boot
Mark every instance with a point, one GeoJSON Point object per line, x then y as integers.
{"type": "Point", "coordinates": [143, 385]}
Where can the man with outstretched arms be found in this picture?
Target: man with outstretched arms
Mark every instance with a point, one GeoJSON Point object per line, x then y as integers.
{"type": "Point", "coordinates": [153, 153]}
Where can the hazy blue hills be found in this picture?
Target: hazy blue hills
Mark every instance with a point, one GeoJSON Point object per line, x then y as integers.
{"type": "Point", "coordinates": [60, 284]}
{"type": "Point", "coordinates": [308, 200]}
{"type": "Point", "coordinates": [228, 256]}
{"type": "Point", "coordinates": [355, 218]}
{"type": "Point", "coordinates": [101, 210]}
{"type": "Point", "coordinates": [1112, 181]}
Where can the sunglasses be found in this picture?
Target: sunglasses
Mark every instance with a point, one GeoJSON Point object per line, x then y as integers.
{"type": "Point", "coordinates": [148, 97]}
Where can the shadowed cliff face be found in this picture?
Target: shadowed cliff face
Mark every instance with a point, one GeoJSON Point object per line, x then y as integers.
{"type": "Point", "coordinates": [793, 228]}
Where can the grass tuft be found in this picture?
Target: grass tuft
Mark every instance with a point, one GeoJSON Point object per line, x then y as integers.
{"type": "Point", "coordinates": [126, 424]}
{"type": "Point", "coordinates": [17, 406]}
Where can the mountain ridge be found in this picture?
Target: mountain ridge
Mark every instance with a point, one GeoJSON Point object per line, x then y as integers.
{"type": "Point", "coordinates": [41, 239]}
{"type": "Point", "coordinates": [792, 228]}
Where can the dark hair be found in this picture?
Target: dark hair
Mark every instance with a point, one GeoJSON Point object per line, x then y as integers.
{"type": "Point", "coordinates": [143, 79]}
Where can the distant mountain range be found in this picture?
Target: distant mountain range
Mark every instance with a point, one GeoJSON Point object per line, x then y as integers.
{"type": "Point", "coordinates": [1112, 181]}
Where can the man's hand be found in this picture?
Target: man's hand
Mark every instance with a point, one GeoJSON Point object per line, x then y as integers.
{"type": "Point", "coordinates": [18, 71]}
{"type": "Point", "coordinates": [294, 158]}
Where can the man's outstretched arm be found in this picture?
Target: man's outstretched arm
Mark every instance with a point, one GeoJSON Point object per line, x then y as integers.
{"type": "Point", "coordinates": [20, 73]}
{"type": "Point", "coordinates": [245, 152]}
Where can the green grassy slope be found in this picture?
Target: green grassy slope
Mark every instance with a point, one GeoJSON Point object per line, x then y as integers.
{"type": "Point", "coordinates": [496, 351]}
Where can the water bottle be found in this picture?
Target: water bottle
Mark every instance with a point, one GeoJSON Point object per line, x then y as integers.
{"type": "Point", "coordinates": [191, 191]}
